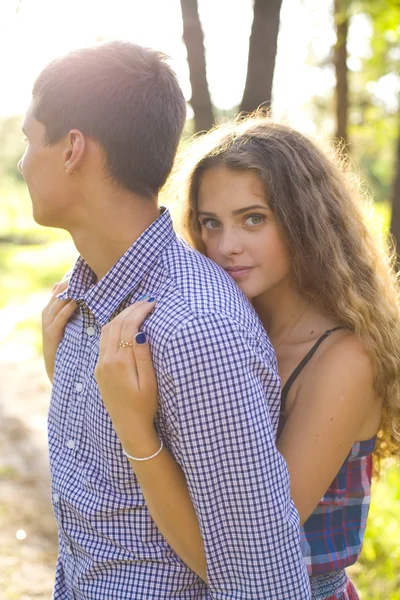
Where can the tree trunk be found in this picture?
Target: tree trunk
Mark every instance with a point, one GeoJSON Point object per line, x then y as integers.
{"type": "Point", "coordinates": [395, 222]}
{"type": "Point", "coordinates": [262, 54]}
{"type": "Point", "coordinates": [340, 62]}
{"type": "Point", "coordinates": [194, 42]}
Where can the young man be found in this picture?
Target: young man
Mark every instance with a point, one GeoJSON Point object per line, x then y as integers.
{"type": "Point", "coordinates": [102, 132]}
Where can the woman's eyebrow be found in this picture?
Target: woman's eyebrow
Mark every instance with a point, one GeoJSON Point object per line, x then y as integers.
{"type": "Point", "coordinates": [246, 208]}
{"type": "Point", "coordinates": [203, 212]}
{"type": "Point", "coordinates": [235, 212]}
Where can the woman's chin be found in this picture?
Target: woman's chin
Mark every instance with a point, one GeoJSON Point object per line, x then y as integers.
{"type": "Point", "coordinates": [247, 290]}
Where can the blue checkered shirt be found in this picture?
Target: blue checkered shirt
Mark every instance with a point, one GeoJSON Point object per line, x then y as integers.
{"type": "Point", "coordinates": [219, 398]}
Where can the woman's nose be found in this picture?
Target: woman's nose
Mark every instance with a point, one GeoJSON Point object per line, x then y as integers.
{"type": "Point", "coordinates": [19, 165]}
{"type": "Point", "coordinates": [230, 243]}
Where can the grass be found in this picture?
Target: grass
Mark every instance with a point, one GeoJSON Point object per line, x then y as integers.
{"type": "Point", "coordinates": [376, 574]}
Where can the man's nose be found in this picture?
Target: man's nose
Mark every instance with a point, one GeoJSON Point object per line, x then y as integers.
{"type": "Point", "coordinates": [19, 166]}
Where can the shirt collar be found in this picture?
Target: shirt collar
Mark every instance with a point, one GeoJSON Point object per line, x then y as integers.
{"type": "Point", "coordinates": [104, 297]}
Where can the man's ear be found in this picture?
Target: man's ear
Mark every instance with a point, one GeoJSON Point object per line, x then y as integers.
{"type": "Point", "coordinates": [74, 151]}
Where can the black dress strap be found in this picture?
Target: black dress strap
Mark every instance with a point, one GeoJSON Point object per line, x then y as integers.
{"type": "Point", "coordinates": [302, 364]}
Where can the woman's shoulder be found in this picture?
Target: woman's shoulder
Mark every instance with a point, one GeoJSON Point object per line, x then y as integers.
{"type": "Point", "coordinates": [340, 384]}
{"type": "Point", "coordinates": [343, 353]}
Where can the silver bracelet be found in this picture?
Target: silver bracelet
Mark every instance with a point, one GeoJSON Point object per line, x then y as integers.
{"type": "Point", "coordinates": [147, 457]}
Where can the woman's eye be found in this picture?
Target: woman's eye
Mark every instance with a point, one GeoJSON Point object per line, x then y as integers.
{"type": "Point", "coordinates": [210, 223]}
{"type": "Point", "coordinates": [254, 219]}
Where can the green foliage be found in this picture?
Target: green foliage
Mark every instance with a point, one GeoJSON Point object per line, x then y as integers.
{"type": "Point", "coordinates": [11, 148]}
{"type": "Point", "coordinates": [374, 122]}
{"type": "Point", "coordinates": [373, 116]}
{"type": "Point", "coordinates": [385, 40]}
{"type": "Point", "coordinates": [373, 135]}
{"type": "Point", "coordinates": [374, 84]}
{"type": "Point", "coordinates": [15, 205]}
{"type": "Point", "coordinates": [377, 572]}
{"type": "Point", "coordinates": [29, 269]}
{"type": "Point", "coordinates": [15, 209]}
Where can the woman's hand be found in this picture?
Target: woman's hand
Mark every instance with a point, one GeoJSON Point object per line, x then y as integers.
{"type": "Point", "coordinates": [127, 381]}
{"type": "Point", "coordinates": [55, 316]}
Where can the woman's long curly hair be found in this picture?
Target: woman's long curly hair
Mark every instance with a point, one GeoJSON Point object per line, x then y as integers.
{"type": "Point", "coordinates": [336, 262]}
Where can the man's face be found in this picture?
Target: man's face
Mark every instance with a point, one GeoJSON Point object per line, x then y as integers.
{"type": "Point", "coordinates": [43, 169]}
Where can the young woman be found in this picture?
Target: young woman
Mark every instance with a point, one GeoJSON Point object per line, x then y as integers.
{"type": "Point", "coordinates": [282, 219]}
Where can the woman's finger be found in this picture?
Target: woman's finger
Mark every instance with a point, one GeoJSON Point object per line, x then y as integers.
{"type": "Point", "coordinates": [59, 287]}
{"type": "Point", "coordinates": [144, 364]}
{"type": "Point", "coordinates": [54, 307]}
{"type": "Point", "coordinates": [103, 341]}
{"type": "Point", "coordinates": [131, 319]}
{"type": "Point", "coordinates": [134, 319]}
{"type": "Point", "coordinates": [108, 339]}
{"type": "Point", "coordinates": [132, 308]}
{"type": "Point", "coordinates": [113, 339]}
{"type": "Point", "coordinates": [65, 312]}
{"type": "Point", "coordinates": [55, 304]}
{"type": "Point", "coordinates": [116, 365]}
{"type": "Point", "coordinates": [67, 276]}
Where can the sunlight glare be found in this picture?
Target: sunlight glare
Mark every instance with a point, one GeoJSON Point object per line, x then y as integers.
{"type": "Point", "coordinates": [21, 534]}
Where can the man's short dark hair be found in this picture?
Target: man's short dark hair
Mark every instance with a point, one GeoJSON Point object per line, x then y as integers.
{"type": "Point", "coordinates": [123, 96]}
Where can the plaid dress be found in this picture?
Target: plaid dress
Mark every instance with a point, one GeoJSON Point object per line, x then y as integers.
{"type": "Point", "coordinates": [332, 536]}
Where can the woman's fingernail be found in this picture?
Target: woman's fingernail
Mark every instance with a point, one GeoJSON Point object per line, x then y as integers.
{"type": "Point", "coordinates": [151, 299]}
{"type": "Point", "coordinates": [144, 297]}
{"type": "Point", "coordinates": [140, 338]}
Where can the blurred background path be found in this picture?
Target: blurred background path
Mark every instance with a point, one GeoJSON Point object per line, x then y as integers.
{"type": "Point", "coordinates": [28, 537]}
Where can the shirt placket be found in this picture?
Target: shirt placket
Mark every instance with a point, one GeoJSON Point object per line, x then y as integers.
{"type": "Point", "coordinates": [90, 338]}
{"type": "Point", "coordinates": [74, 432]}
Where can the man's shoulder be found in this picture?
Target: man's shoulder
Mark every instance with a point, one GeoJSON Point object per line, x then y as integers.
{"type": "Point", "coordinates": [195, 289]}
{"type": "Point", "coordinates": [203, 287]}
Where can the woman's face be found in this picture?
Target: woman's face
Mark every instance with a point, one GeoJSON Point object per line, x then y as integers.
{"type": "Point", "coordinates": [239, 230]}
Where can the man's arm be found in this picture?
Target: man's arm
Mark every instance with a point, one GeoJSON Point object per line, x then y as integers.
{"type": "Point", "coordinates": [238, 481]}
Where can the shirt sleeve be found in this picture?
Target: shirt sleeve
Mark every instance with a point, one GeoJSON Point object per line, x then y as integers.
{"type": "Point", "coordinates": [223, 389]}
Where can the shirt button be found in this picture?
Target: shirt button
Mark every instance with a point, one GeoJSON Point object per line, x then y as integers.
{"type": "Point", "coordinates": [68, 550]}
{"type": "Point", "coordinates": [79, 387]}
{"type": "Point", "coordinates": [71, 444]}
{"type": "Point", "coordinates": [90, 331]}
{"type": "Point", "coordinates": [56, 498]}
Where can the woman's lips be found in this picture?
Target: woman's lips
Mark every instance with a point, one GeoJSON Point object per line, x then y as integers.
{"type": "Point", "coordinates": [238, 272]}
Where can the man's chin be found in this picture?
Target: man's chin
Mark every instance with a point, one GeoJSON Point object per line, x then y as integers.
{"type": "Point", "coordinates": [46, 220]}
{"type": "Point", "coordinates": [40, 220]}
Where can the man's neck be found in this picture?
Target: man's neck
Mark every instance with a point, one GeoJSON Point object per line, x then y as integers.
{"type": "Point", "coordinates": [110, 228]}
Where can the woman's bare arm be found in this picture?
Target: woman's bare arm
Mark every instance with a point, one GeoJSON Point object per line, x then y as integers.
{"type": "Point", "coordinates": [335, 406]}
{"type": "Point", "coordinates": [165, 490]}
